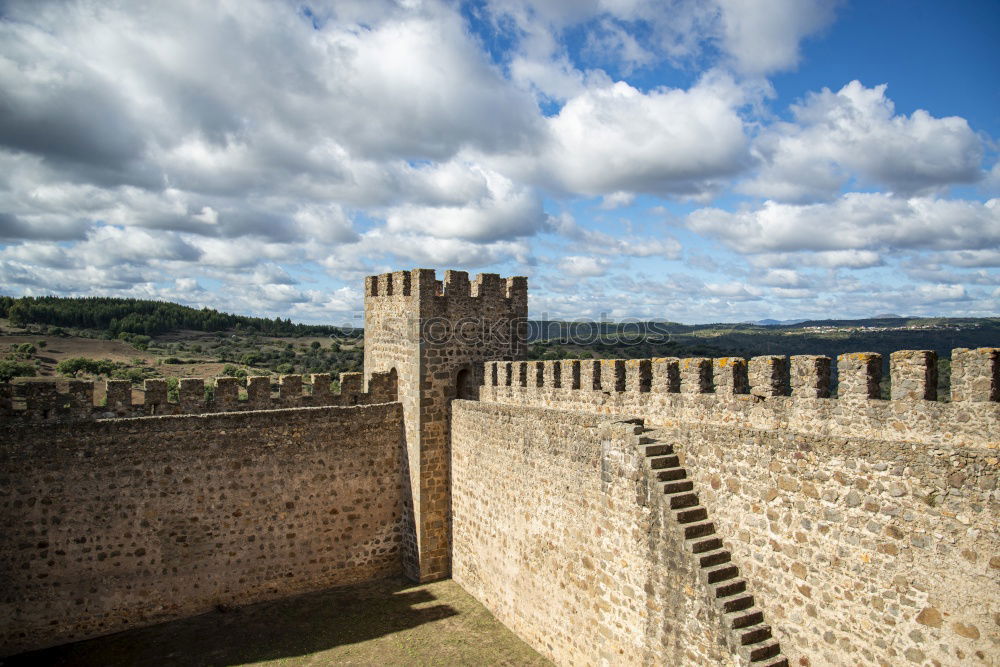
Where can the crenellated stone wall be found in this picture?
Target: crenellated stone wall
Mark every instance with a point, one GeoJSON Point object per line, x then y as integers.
{"type": "Point", "coordinates": [865, 526]}
{"type": "Point", "coordinates": [435, 335]}
{"type": "Point", "coordinates": [649, 511]}
{"type": "Point", "coordinates": [777, 394]}
{"type": "Point", "coordinates": [114, 523]}
{"type": "Point", "coordinates": [860, 550]}
{"type": "Point", "coordinates": [73, 400]}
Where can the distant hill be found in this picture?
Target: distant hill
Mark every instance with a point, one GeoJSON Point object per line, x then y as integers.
{"type": "Point", "coordinates": [141, 316]}
{"type": "Point", "coordinates": [826, 337]}
{"type": "Point", "coordinates": [772, 323]}
{"type": "Point", "coordinates": [128, 317]}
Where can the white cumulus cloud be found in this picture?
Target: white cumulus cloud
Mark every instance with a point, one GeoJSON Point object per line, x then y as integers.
{"type": "Point", "coordinates": [855, 133]}
{"type": "Point", "coordinates": [855, 221]}
{"type": "Point", "coordinates": [584, 267]}
{"type": "Point", "coordinates": [616, 138]}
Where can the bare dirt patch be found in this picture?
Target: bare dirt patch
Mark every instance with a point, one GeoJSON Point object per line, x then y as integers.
{"type": "Point", "coordinates": [58, 348]}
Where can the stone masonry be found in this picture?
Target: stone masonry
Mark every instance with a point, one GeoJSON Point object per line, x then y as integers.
{"type": "Point", "coordinates": [109, 524]}
{"type": "Point", "coordinates": [435, 335]}
{"type": "Point", "coordinates": [863, 526]}
{"type": "Point", "coordinates": [648, 511]}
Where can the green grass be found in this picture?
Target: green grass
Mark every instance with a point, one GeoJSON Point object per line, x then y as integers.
{"type": "Point", "coordinates": [390, 622]}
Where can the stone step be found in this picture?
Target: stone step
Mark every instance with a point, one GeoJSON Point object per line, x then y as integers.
{"type": "Point", "coordinates": [701, 545]}
{"type": "Point", "coordinates": [741, 616]}
{"type": "Point", "coordinates": [655, 448]}
{"type": "Point", "coordinates": [731, 588]}
{"type": "Point", "coordinates": [658, 462]}
{"type": "Point", "coordinates": [678, 486]}
{"type": "Point", "coordinates": [737, 603]}
{"type": "Point", "coordinates": [780, 662]}
{"type": "Point", "coordinates": [691, 514]}
{"type": "Point", "coordinates": [744, 618]}
{"type": "Point", "coordinates": [714, 557]}
{"type": "Point", "coordinates": [720, 573]}
{"type": "Point", "coordinates": [760, 652]}
{"type": "Point", "coordinates": [678, 501]}
{"type": "Point", "coordinates": [754, 634]}
{"type": "Point", "coordinates": [671, 474]}
{"type": "Point", "coordinates": [693, 530]}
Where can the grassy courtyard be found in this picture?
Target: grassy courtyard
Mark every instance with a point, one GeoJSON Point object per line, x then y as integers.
{"type": "Point", "coordinates": [391, 622]}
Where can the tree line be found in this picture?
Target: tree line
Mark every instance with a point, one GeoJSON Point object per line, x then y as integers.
{"type": "Point", "coordinates": [143, 316]}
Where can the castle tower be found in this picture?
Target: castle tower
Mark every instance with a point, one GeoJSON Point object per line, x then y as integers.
{"type": "Point", "coordinates": [433, 334]}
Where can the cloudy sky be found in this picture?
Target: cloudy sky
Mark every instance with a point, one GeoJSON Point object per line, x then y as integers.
{"type": "Point", "coordinates": [693, 160]}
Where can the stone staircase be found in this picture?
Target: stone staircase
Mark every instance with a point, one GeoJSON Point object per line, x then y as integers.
{"type": "Point", "coordinates": [743, 621]}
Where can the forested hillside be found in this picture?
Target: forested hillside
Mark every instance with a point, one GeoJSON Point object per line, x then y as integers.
{"type": "Point", "coordinates": [139, 316]}
{"type": "Point", "coordinates": [636, 340]}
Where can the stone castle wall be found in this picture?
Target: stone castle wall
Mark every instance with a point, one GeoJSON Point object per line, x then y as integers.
{"type": "Point", "coordinates": [73, 400]}
{"type": "Point", "coordinates": [665, 511]}
{"type": "Point", "coordinates": [771, 393]}
{"type": "Point", "coordinates": [866, 528]}
{"type": "Point", "coordinates": [110, 524]}
{"type": "Point", "coordinates": [860, 550]}
{"type": "Point", "coordinates": [434, 335]}
{"type": "Point", "coordinates": [555, 535]}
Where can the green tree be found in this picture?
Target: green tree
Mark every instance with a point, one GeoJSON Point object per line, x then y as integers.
{"type": "Point", "coordinates": [12, 369]}
{"type": "Point", "coordinates": [73, 366]}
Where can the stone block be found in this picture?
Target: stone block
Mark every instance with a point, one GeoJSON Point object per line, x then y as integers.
{"type": "Point", "coordinates": [666, 375]}
{"type": "Point", "coordinates": [553, 374]}
{"type": "Point", "coordinates": [119, 396]}
{"type": "Point", "coordinates": [638, 375]}
{"type": "Point", "coordinates": [769, 376]}
{"type": "Point", "coordinates": [696, 375]}
{"type": "Point", "coordinates": [913, 375]}
{"type": "Point", "coordinates": [810, 376]}
{"type": "Point", "coordinates": [227, 393]}
{"type": "Point", "coordinates": [590, 375]}
{"type": "Point", "coordinates": [730, 376]}
{"type": "Point", "coordinates": [321, 393]}
{"type": "Point", "coordinates": [859, 375]}
{"type": "Point", "coordinates": [192, 395]}
{"type": "Point", "coordinates": [975, 374]}
{"type": "Point", "coordinates": [612, 375]}
{"type": "Point", "coordinates": [259, 391]}
{"type": "Point", "coordinates": [155, 396]}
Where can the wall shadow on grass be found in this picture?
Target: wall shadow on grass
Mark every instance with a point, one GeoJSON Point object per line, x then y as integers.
{"type": "Point", "coordinates": [285, 628]}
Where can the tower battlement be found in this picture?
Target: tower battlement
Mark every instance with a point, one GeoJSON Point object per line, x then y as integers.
{"type": "Point", "coordinates": [435, 334]}
{"type": "Point", "coordinates": [455, 285]}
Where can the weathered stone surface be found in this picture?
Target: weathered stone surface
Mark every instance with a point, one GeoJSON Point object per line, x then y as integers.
{"type": "Point", "coordinates": [886, 488]}
{"type": "Point", "coordinates": [73, 400]}
{"type": "Point", "coordinates": [975, 374]}
{"type": "Point", "coordinates": [810, 376]}
{"type": "Point", "coordinates": [110, 524]}
{"type": "Point", "coordinates": [567, 552]}
{"type": "Point", "coordinates": [865, 528]}
{"type": "Point", "coordinates": [913, 375]}
{"type": "Point", "coordinates": [859, 375]}
{"type": "Point", "coordinates": [434, 337]}
{"type": "Point", "coordinates": [769, 376]}
{"type": "Point", "coordinates": [966, 630]}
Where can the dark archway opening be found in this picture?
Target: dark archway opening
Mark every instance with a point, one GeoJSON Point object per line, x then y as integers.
{"type": "Point", "coordinates": [463, 385]}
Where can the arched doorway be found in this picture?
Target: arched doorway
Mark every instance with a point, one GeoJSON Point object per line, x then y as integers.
{"type": "Point", "coordinates": [463, 384]}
